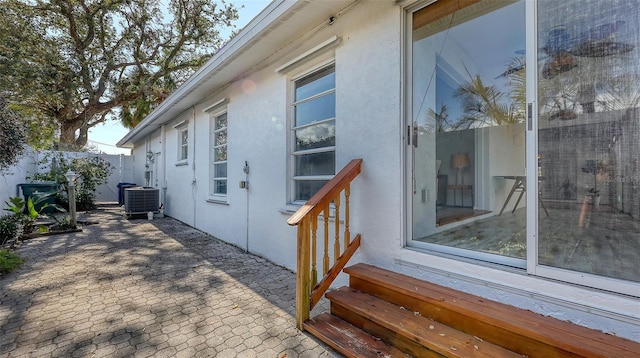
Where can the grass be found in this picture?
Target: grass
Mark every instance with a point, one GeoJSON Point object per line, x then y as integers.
{"type": "Point", "coordinates": [9, 261]}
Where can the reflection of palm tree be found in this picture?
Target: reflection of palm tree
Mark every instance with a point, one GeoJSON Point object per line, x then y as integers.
{"type": "Point", "coordinates": [518, 81]}
{"type": "Point", "coordinates": [621, 93]}
{"type": "Point", "coordinates": [485, 105]}
{"type": "Point", "coordinates": [442, 125]}
{"type": "Point", "coordinates": [559, 100]}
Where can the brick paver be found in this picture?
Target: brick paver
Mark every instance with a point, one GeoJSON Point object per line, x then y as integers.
{"type": "Point", "coordinates": [138, 288]}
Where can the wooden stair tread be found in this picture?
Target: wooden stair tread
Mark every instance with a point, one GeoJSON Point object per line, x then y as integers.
{"type": "Point", "coordinates": [349, 340]}
{"type": "Point", "coordinates": [567, 337]}
{"type": "Point", "coordinates": [426, 332]}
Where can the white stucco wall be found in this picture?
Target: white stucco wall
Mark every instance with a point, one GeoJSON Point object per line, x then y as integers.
{"type": "Point", "coordinates": [369, 125]}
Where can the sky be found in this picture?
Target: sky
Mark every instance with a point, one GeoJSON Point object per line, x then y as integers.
{"type": "Point", "coordinates": [105, 136]}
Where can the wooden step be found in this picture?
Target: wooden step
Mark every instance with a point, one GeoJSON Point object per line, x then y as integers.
{"type": "Point", "coordinates": [518, 330]}
{"type": "Point", "coordinates": [349, 340]}
{"type": "Point", "coordinates": [407, 330]}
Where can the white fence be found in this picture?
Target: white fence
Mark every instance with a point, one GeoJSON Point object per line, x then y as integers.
{"type": "Point", "coordinates": [30, 164]}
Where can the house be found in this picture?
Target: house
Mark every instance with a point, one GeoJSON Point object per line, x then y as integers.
{"type": "Point", "coordinates": [515, 183]}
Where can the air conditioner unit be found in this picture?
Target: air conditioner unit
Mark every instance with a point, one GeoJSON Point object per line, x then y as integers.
{"type": "Point", "coordinates": [141, 200]}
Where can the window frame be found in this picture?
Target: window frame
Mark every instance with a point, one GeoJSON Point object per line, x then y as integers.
{"type": "Point", "coordinates": [182, 148]}
{"type": "Point", "coordinates": [293, 154]}
{"type": "Point", "coordinates": [213, 131]}
{"type": "Point", "coordinates": [532, 266]}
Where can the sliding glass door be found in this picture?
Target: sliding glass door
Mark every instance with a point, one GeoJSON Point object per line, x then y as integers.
{"type": "Point", "coordinates": [588, 133]}
{"type": "Point", "coordinates": [468, 144]}
{"type": "Point", "coordinates": [524, 136]}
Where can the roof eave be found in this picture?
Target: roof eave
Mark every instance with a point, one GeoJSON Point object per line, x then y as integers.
{"type": "Point", "coordinates": [261, 23]}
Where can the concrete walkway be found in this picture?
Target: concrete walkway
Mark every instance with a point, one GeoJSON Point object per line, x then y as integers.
{"type": "Point", "coordinates": [143, 288]}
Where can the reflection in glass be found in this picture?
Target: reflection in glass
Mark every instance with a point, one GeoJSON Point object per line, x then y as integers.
{"type": "Point", "coordinates": [589, 136]}
{"type": "Point", "coordinates": [221, 137]}
{"type": "Point", "coordinates": [315, 164]}
{"type": "Point", "coordinates": [220, 186]}
{"type": "Point", "coordinates": [468, 118]}
{"type": "Point", "coordinates": [221, 154]}
{"type": "Point", "coordinates": [221, 121]}
{"type": "Point", "coordinates": [316, 136]}
{"type": "Point", "coordinates": [319, 109]}
{"type": "Point", "coordinates": [306, 188]}
{"type": "Point", "coordinates": [317, 82]}
{"type": "Point", "coordinates": [184, 144]}
{"type": "Point", "coordinates": [220, 170]}
{"type": "Point", "coordinates": [313, 131]}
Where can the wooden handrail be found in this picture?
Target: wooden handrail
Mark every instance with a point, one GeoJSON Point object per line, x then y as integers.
{"type": "Point", "coordinates": [308, 289]}
{"type": "Point", "coordinates": [328, 192]}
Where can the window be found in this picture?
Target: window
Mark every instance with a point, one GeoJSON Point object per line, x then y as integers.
{"type": "Point", "coordinates": [218, 155]}
{"type": "Point", "coordinates": [183, 144]}
{"type": "Point", "coordinates": [313, 132]}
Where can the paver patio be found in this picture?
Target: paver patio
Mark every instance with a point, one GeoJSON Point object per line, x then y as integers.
{"type": "Point", "coordinates": [143, 288]}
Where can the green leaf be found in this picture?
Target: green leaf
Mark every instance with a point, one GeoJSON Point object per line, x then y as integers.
{"type": "Point", "coordinates": [31, 209]}
{"type": "Point", "coordinates": [15, 205]}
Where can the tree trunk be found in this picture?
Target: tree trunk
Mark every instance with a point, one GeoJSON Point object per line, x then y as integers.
{"type": "Point", "coordinates": [68, 128]}
{"type": "Point", "coordinates": [68, 132]}
{"type": "Point", "coordinates": [83, 136]}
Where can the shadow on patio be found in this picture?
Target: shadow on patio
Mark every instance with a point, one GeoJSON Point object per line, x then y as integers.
{"type": "Point", "coordinates": [137, 287]}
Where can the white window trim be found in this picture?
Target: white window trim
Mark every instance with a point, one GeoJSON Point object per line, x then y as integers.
{"type": "Point", "coordinates": [316, 64]}
{"type": "Point", "coordinates": [181, 128]}
{"type": "Point", "coordinates": [217, 104]}
{"type": "Point", "coordinates": [327, 44]}
{"type": "Point", "coordinates": [212, 196]}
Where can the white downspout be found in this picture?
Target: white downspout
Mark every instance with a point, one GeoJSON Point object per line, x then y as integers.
{"type": "Point", "coordinates": [193, 166]}
{"type": "Point", "coordinates": [147, 164]}
{"type": "Point", "coordinates": [246, 186]}
{"type": "Point", "coordinates": [163, 184]}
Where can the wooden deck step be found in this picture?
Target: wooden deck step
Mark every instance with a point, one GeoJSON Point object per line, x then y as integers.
{"type": "Point", "coordinates": [518, 330]}
{"type": "Point", "coordinates": [349, 340]}
{"type": "Point", "coordinates": [408, 330]}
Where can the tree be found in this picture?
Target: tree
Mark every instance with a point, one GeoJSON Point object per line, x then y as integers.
{"type": "Point", "coordinates": [485, 105]}
{"type": "Point", "coordinates": [82, 62]}
{"type": "Point", "coordinates": [12, 136]}
{"type": "Point", "coordinates": [40, 130]}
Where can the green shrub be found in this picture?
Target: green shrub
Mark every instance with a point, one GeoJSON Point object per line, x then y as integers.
{"type": "Point", "coordinates": [9, 261]}
{"type": "Point", "coordinates": [12, 136]}
{"type": "Point", "coordinates": [91, 172]}
{"type": "Point", "coordinates": [10, 228]}
{"type": "Point", "coordinates": [27, 212]}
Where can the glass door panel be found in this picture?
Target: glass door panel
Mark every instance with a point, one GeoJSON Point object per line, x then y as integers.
{"type": "Point", "coordinates": [589, 137]}
{"type": "Point", "coordinates": [468, 125]}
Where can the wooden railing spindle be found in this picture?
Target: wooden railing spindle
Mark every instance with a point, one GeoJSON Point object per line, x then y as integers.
{"type": "Point", "coordinates": [347, 233]}
{"type": "Point", "coordinates": [303, 287]}
{"type": "Point", "coordinates": [325, 258]}
{"type": "Point", "coordinates": [336, 244]}
{"type": "Point", "coordinates": [314, 269]}
{"type": "Point", "coordinates": [308, 289]}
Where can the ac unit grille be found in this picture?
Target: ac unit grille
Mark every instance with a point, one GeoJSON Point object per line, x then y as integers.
{"type": "Point", "coordinates": [141, 200]}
